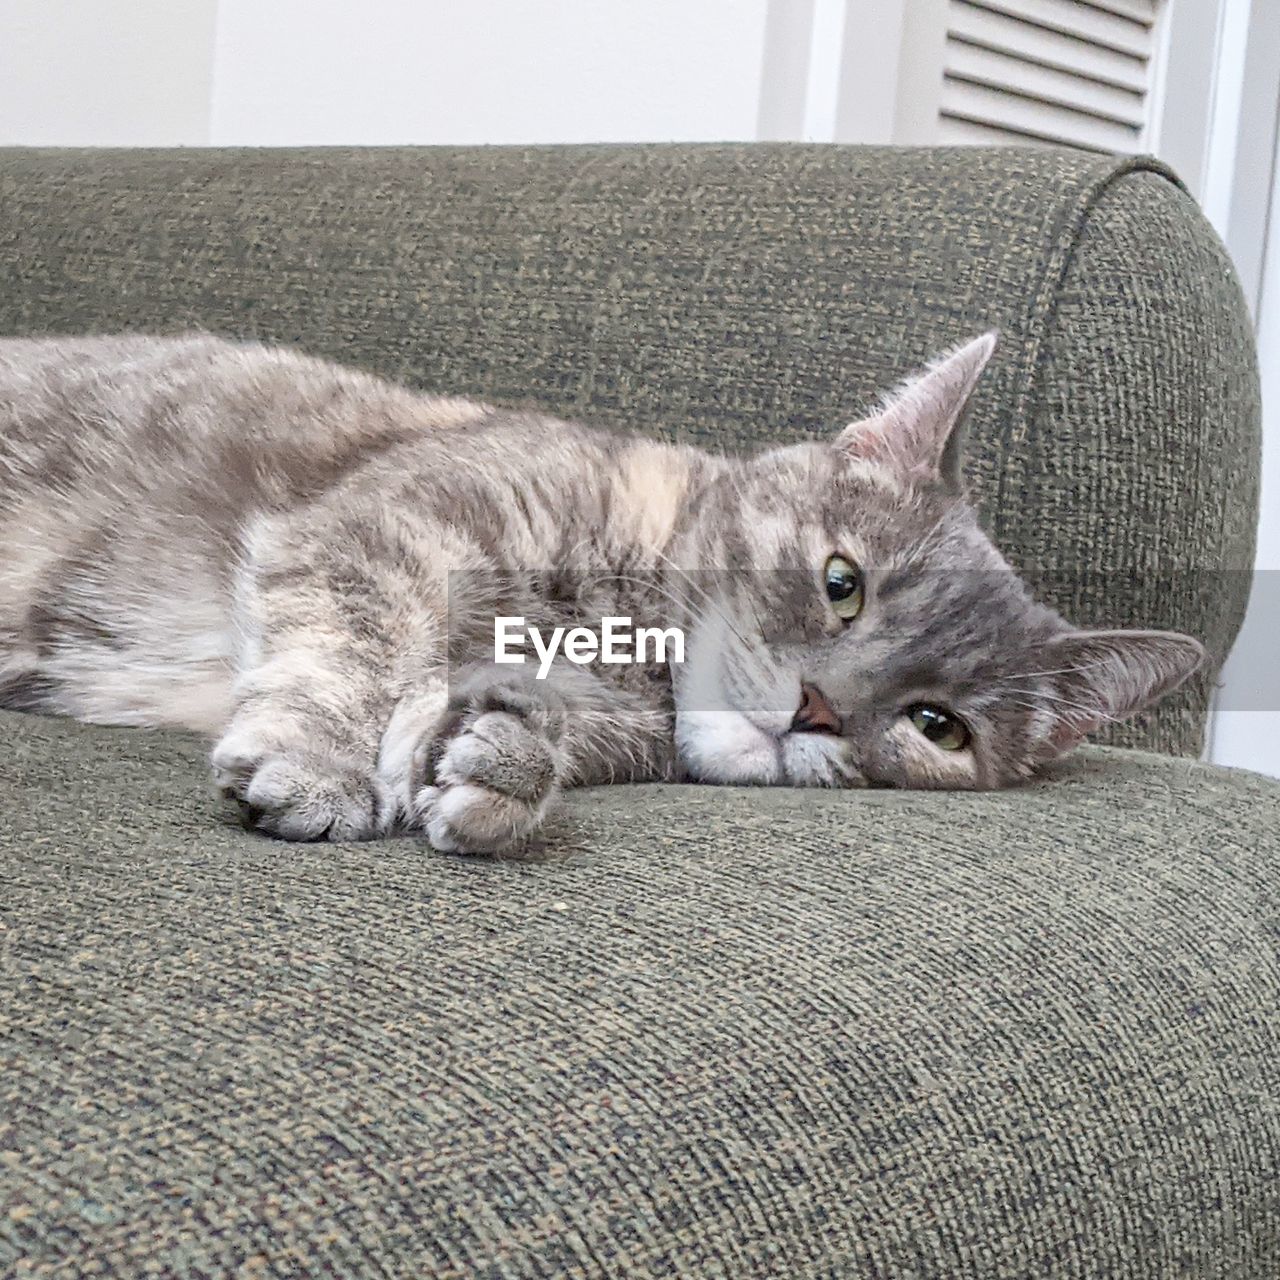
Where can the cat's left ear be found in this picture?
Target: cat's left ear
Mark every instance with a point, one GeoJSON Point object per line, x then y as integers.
{"type": "Point", "coordinates": [919, 430]}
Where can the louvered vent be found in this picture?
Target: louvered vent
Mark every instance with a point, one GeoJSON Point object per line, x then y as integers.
{"type": "Point", "coordinates": [1055, 71]}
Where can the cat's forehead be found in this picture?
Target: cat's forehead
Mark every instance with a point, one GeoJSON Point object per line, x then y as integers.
{"type": "Point", "coordinates": [936, 572]}
{"type": "Point", "coordinates": [872, 511]}
{"type": "Point", "coordinates": [906, 527]}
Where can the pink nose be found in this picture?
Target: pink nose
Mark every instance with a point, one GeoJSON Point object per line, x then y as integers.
{"type": "Point", "coordinates": [815, 714]}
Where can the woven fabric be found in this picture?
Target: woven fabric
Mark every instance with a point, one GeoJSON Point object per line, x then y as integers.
{"type": "Point", "coordinates": [730, 295]}
{"type": "Point", "coordinates": [719, 1033]}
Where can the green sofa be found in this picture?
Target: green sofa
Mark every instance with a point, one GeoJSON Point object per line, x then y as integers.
{"type": "Point", "coordinates": [711, 1032]}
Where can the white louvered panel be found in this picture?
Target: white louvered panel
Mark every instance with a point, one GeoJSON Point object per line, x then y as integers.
{"type": "Point", "coordinates": [1143, 11]}
{"type": "Point", "coordinates": [966, 23]}
{"type": "Point", "coordinates": [1105, 25]}
{"type": "Point", "coordinates": [1073, 72]}
{"type": "Point", "coordinates": [954, 132]}
{"type": "Point", "coordinates": [1044, 84]}
{"type": "Point", "coordinates": [1033, 119]}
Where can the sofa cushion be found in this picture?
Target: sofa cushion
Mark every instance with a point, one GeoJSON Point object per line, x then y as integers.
{"type": "Point", "coordinates": [705, 1032]}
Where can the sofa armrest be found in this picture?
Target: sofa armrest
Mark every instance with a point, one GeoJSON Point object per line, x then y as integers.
{"type": "Point", "coordinates": [1129, 482]}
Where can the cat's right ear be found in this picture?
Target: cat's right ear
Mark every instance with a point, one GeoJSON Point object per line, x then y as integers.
{"type": "Point", "coordinates": [1100, 677]}
{"type": "Point", "coordinates": [919, 430]}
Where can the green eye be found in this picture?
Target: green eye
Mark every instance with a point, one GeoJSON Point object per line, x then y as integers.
{"type": "Point", "coordinates": [940, 727]}
{"type": "Point", "coordinates": [844, 587]}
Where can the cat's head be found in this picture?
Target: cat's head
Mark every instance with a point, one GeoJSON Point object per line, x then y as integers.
{"type": "Point", "coordinates": [865, 630]}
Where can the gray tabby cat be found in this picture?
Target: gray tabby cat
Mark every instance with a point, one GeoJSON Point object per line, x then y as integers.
{"type": "Point", "coordinates": [302, 561]}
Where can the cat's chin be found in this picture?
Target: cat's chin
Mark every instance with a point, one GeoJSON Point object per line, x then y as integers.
{"type": "Point", "coordinates": [725, 746]}
{"type": "Point", "coordinates": [819, 760]}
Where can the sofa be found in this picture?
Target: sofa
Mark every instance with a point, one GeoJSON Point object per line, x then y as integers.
{"type": "Point", "coordinates": [706, 1032]}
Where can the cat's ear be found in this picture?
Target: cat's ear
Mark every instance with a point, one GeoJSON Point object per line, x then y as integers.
{"type": "Point", "coordinates": [1097, 677]}
{"type": "Point", "coordinates": [918, 432]}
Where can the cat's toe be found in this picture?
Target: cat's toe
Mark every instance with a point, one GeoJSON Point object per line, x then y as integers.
{"type": "Point", "coordinates": [538, 709]}
{"type": "Point", "coordinates": [499, 751]}
{"type": "Point", "coordinates": [302, 799]}
{"type": "Point", "coordinates": [466, 818]}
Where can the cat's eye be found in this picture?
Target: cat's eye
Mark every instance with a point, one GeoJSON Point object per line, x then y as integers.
{"type": "Point", "coordinates": [843, 581]}
{"type": "Point", "coordinates": [941, 728]}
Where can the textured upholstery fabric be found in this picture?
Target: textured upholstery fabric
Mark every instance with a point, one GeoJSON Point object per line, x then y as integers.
{"type": "Point", "coordinates": [730, 295]}
{"type": "Point", "coordinates": [713, 1034]}
{"type": "Point", "coordinates": [720, 1033]}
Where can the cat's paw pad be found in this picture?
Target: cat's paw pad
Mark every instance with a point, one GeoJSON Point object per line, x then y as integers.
{"type": "Point", "coordinates": [302, 797]}
{"type": "Point", "coordinates": [491, 786]}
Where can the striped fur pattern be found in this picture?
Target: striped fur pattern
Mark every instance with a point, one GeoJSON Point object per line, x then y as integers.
{"type": "Point", "coordinates": [304, 562]}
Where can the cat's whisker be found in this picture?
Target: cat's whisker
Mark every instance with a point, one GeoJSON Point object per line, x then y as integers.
{"type": "Point", "coordinates": [573, 551]}
{"type": "Point", "coordinates": [1090, 712]}
{"type": "Point", "coordinates": [668, 593]}
{"type": "Point", "coordinates": [707, 597]}
{"type": "Point", "coordinates": [925, 543]}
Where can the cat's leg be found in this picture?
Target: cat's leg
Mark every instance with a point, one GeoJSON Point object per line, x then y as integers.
{"type": "Point", "coordinates": [298, 753]}
{"type": "Point", "coordinates": [315, 689]}
{"type": "Point", "coordinates": [507, 745]}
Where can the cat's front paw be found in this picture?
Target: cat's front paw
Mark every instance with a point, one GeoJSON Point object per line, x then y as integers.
{"type": "Point", "coordinates": [491, 784]}
{"type": "Point", "coordinates": [301, 795]}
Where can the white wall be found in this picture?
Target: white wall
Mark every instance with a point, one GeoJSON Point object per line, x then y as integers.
{"type": "Point", "coordinates": [1246, 729]}
{"type": "Point", "coordinates": [275, 72]}
{"type": "Point", "coordinates": [388, 71]}
{"type": "Point", "coordinates": [105, 72]}
{"type": "Point", "coordinates": [1234, 171]}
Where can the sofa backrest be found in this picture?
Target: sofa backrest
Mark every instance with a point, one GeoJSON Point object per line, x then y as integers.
{"type": "Point", "coordinates": [731, 295]}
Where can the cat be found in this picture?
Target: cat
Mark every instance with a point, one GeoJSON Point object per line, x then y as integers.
{"type": "Point", "coordinates": [305, 563]}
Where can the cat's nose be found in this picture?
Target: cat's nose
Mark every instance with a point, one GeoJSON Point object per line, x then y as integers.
{"type": "Point", "coordinates": [815, 714]}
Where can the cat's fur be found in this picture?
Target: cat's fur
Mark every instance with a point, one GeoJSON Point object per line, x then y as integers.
{"type": "Point", "coordinates": [258, 545]}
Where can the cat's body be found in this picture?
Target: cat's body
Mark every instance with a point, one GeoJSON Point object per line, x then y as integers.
{"type": "Point", "coordinates": [259, 546]}
{"type": "Point", "coordinates": [148, 483]}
